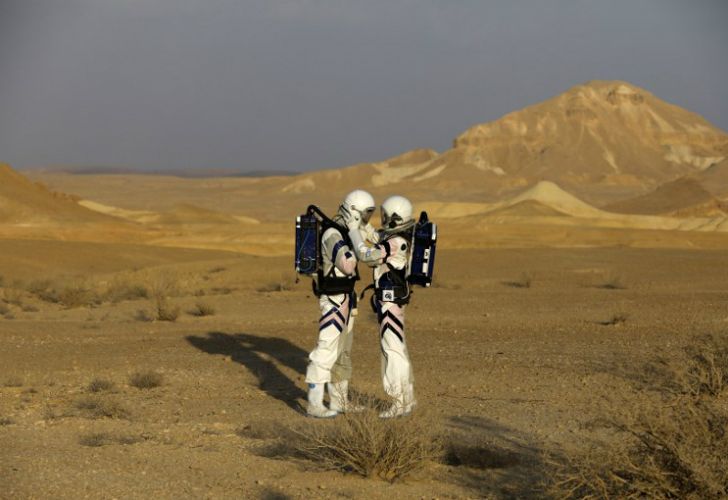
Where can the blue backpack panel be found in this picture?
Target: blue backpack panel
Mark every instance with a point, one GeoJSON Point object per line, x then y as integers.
{"type": "Point", "coordinates": [422, 263]}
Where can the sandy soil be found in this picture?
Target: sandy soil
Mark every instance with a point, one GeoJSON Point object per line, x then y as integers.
{"type": "Point", "coordinates": [510, 370]}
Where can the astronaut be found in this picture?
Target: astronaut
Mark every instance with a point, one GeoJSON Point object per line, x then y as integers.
{"type": "Point", "coordinates": [389, 258]}
{"type": "Point", "coordinates": [330, 361]}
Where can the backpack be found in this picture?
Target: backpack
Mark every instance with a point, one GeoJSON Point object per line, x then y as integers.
{"type": "Point", "coordinates": [422, 258]}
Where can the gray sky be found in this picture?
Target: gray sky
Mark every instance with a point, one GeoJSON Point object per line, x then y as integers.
{"type": "Point", "coordinates": [306, 84]}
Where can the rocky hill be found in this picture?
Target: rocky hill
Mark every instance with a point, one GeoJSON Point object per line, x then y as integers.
{"type": "Point", "coordinates": [603, 140]}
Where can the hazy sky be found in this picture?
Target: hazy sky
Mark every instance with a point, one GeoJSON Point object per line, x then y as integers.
{"type": "Point", "coordinates": [305, 84]}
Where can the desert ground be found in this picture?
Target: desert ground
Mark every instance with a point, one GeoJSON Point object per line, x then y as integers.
{"type": "Point", "coordinates": [506, 370]}
{"type": "Point", "coordinates": [154, 337]}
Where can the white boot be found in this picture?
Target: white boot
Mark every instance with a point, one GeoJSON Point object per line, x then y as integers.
{"type": "Point", "coordinates": [316, 406]}
{"type": "Point", "coordinates": [339, 398]}
{"type": "Point", "coordinates": [401, 407]}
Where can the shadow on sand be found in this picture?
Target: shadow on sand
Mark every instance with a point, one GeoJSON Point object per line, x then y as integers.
{"type": "Point", "coordinates": [261, 355]}
{"type": "Point", "coordinates": [494, 460]}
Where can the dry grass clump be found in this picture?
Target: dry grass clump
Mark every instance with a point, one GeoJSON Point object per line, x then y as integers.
{"type": "Point", "coordinates": [100, 408]}
{"type": "Point", "coordinates": [202, 309]}
{"type": "Point", "coordinates": [364, 444]}
{"type": "Point", "coordinates": [612, 281]}
{"type": "Point", "coordinates": [13, 381]}
{"type": "Point", "coordinates": [146, 379]}
{"type": "Point", "coordinates": [4, 309]}
{"type": "Point", "coordinates": [6, 421]}
{"type": "Point", "coordinates": [614, 320]}
{"type": "Point", "coordinates": [100, 385]}
{"type": "Point", "coordinates": [96, 439]}
{"type": "Point", "coordinates": [524, 281]}
{"type": "Point", "coordinates": [677, 448]}
{"type": "Point", "coordinates": [283, 284]}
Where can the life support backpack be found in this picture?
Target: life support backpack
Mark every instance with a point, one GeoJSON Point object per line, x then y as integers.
{"type": "Point", "coordinates": [421, 266]}
{"type": "Point", "coordinates": [309, 259]}
{"type": "Point", "coordinates": [394, 285]}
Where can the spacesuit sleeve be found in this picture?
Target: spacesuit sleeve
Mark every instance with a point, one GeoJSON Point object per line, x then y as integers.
{"type": "Point", "coordinates": [371, 256]}
{"type": "Point", "coordinates": [341, 255]}
{"type": "Point", "coordinates": [397, 251]}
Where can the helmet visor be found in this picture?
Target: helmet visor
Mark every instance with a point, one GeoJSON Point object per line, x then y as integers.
{"type": "Point", "coordinates": [366, 214]}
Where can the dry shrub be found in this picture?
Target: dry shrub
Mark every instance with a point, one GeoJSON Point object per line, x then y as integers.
{"type": "Point", "coordinates": [4, 309]}
{"type": "Point", "coordinates": [367, 445]}
{"type": "Point", "coordinates": [70, 295]}
{"type": "Point", "coordinates": [706, 370]}
{"type": "Point", "coordinates": [701, 370]}
{"type": "Point", "coordinates": [163, 311]}
{"type": "Point", "coordinates": [162, 287]}
{"type": "Point", "coordinates": [202, 309]}
{"type": "Point", "coordinates": [100, 408]}
{"type": "Point", "coordinates": [120, 290]}
{"type": "Point", "coordinates": [166, 285]}
{"type": "Point", "coordinates": [77, 295]}
{"type": "Point", "coordinates": [6, 421]}
{"type": "Point", "coordinates": [13, 295]}
{"type": "Point", "coordinates": [677, 448]}
{"type": "Point", "coordinates": [36, 287]}
{"type": "Point", "coordinates": [146, 380]}
{"type": "Point", "coordinates": [100, 385]}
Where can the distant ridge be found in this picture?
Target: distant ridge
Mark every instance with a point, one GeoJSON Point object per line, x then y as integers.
{"type": "Point", "coordinates": [176, 172]}
{"type": "Point", "coordinates": [27, 203]}
{"type": "Point", "coordinates": [671, 197]}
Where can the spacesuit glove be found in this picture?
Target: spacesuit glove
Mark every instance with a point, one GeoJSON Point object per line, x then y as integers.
{"type": "Point", "coordinates": [353, 220]}
{"type": "Point", "coordinates": [370, 234]}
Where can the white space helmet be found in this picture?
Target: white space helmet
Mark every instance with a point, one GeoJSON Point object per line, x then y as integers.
{"type": "Point", "coordinates": [359, 201]}
{"type": "Point", "coordinates": [396, 214]}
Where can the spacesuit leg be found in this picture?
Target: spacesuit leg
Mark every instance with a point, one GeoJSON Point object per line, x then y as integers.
{"type": "Point", "coordinates": [396, 366]}
{"type": "Point", "coordinates": [332, 324]}
{"type": "Point", "coordinates": [341, 373]}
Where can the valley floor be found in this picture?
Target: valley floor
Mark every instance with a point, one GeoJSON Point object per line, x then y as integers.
{"type": "Point", "coordinates": [515, 353]}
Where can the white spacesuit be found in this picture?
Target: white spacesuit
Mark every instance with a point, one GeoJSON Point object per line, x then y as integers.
{"type": "Point", "coordinates": [330, 361]}
{"type": "Point", "coordinates": [389, 258]}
